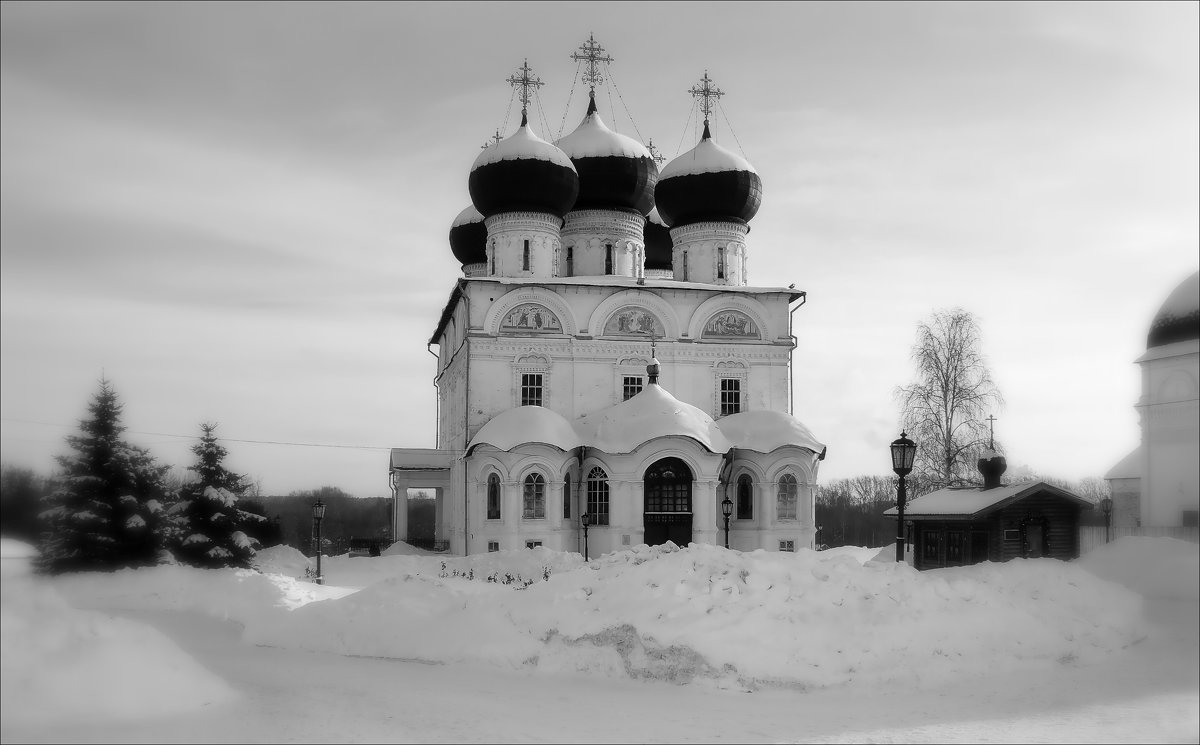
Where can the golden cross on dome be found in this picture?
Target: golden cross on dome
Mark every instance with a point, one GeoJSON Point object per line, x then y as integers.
{"type": "Point", "coordinates": [525, 82]}
{"type": "Point", "coordinates": [707, 92]}
{"type": "Point", "coordinates": [656, 156]}
{"type": "Point", "coordinates": [991, 431]}
{"type": "Point", "coordinates": [593, 53]}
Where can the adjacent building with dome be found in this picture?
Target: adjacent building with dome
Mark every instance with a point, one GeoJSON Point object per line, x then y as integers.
{"type": "Point", "coordinates": [1157, 485]}
{"type": "Point", "coordinates": [604, 353]}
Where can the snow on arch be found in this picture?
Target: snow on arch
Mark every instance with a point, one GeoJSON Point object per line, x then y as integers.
{"type": "Point", "coordinates": [651, 302]}
{"type": "Point", "coordinates": [747, 306]}
{"type": "Point", "coordinates": [516, 297]}
{"type": "Point", "coordinates": [526, 425]}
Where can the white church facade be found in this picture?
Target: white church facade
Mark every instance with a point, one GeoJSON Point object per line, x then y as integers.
{"type": "Point", "coordinates": [1158, 484]}
{"type": "Point", "coordinates": [604, 355]}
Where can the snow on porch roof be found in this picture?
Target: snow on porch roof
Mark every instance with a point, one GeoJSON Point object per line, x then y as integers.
{"type": "Point", "coordinates": [975, 501]}
{"type": "Point", "coordinates": [421, 459]}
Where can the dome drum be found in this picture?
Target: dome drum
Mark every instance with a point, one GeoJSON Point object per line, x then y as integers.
{"type": "Point", "coordinates": [710, 253]}
{"type": "Point", "coordinates": [522, 244]}
{"type": "Point", "coordinates": [602, 243]}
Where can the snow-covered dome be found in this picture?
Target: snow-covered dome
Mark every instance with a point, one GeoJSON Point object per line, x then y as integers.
{"type": "Point", "coordinates": [615, 171]}
{"type": "Point", "coordinates": [764, 431]}
{"type": "Point", "coordinates": [524, 425]}
{"type": "Point", "coordinates": [521, 173]}
{"type": "Point", "coordinates": [468, 237]}
{"type": "Point", "coordinates": [708, 183]}
{"type": "Point", "coordinates": [658, 242]}
{"type": "Point", "coordinates": [651, 414]}
{"type": "Point", "coordinates": [1179, 317]}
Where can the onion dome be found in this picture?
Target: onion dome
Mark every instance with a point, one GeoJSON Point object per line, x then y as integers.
{"type": "Point", "coordinates": [615, 171]}
{"type": "Point", "coordinates": [658, 242]}
{"type": "Point", "coordinates": [523, 173]}
{"type": "Point", "coordinates": [708, 183]}
{"type": "Point", "coordinates": [1179, 317]}
{"type": "Point", "coordinates": [468, 237]}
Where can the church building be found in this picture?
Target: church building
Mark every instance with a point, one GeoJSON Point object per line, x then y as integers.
{"type": "Point", "coordinates": [604, 357]}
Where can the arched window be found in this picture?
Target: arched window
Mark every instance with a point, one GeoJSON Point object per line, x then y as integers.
{"type": "Point", "coordinates": [745, 498]}
{"type": "Point", "coordinates": [608, 258]}
{"type": "Point", "coordinates": [493, 497]}
{"type": "Point", "coordinates": [786, 498]}
{"type": "Point", "coordinates": [597, 496]}
{"type": "Point", "coordinates": [567, 496]}
{"type": "Point", "coordinates": [534, 497]}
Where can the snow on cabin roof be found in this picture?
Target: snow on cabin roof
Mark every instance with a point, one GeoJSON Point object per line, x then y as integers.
{"type": "Point", "coordinates": [651, 414]}
{"type": "Point", "coordinates": [707, 157]}
{"type": "Point", "coordinates": [593, 139]}
{"type": "Point", "coordinates": [522, 145]}
{"type": "Point", "coordinates": [974, 501]}
{"type": "Point", "coordinates": [467, 216]}
{"type": "Point", "coordinates": [524, 425]}
{"type": "Point", "coordinates": [764, 431]}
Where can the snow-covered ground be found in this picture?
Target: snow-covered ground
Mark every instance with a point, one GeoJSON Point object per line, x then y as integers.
{"type": "Point", "coordinates": [649, 644]}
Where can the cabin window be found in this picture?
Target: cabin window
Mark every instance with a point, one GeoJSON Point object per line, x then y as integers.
{"type": "Point", "coordinates": [493, 497]}
{"type": "Point", "coordinates": [785, 501]}
{"type": "Point", "coordinates": [597, 496]}
{"type": "Point", "coordinates": [534, 493]}
{"type": "Point", "coordinates": [745, 498]}
{"type": "Point", "coordinates": [531, 389]}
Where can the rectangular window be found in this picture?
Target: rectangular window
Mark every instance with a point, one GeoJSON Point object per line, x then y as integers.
{"type": "Point", "coordinates": [567, 497]}
{"type": "Point", "coordinates": [1012, 535]}
{"type": "Point", "coordinates": [570, 272]}
{"type": "Point", "coordinates": [683, 256]}
{"type": "Point", "coordinates": [493, 546]}
{"type": "Point", "coordinates": [788, 545]}
{"type": "Point", "coordinates": [608, 258]}
{"type": "Point", "coordinates": [532, 544]}
{"type": "Point", "coordinates": [731, 396]}
{"type": "Point", "coordinates": [531, 389]}
{"type": "Point", "coordinates": [721, 263]}
{"type": "Point", "coordinates": [631, 387]}
{"type": "Point", "coordinates": [525, 257]}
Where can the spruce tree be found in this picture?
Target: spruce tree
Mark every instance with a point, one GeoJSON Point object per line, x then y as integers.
{"type": "Point", "coordinates": [210, 527]}
{"type": "Point", "coordinates": [104, 509]}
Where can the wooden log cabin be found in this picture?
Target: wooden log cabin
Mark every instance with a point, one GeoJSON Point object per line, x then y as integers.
{"type": "Point", "coordinates": [966, 525]}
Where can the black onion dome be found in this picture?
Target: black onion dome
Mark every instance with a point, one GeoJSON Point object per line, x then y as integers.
{"type": "Point", "coordinates": [658, 242]}
{"type": "Point", "coordinates": [1179, 317]}
{"type": "Point", "coordinates": [615, 171]}
{"type": "Point", "coordinates": [523, 173]}
{"type": "Point", "coordinates": [708, 183]}
{"type": "Point", "coordinates": [468, 237]}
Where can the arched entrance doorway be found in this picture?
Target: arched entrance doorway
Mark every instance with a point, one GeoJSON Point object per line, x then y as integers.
{"type": "Point", "coordinates": [668, 514]}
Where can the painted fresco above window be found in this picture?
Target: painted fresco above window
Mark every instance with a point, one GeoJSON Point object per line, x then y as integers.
{"type": "Point", "coordinates": [633, 321]}
{"type": "Point", "coordinates": [531, 317]}
{"type": "Point", "coordinates": [731, 324]}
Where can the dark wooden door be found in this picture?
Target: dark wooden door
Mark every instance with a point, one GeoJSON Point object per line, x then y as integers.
{"type": "Point", "coordinates": [668, 503]}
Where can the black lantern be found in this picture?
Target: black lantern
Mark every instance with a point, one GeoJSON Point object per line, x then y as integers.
{"type": "Point", "coordinates": [1106, 505]}
{"type": "Point", "coordinates": [585, 520]}
{"type": "Point", "coordinates": [318, 510]}
{"type": "Point", "coordinates": [727, 511]}
{"type": "Point", "coordinates": [904, 451]}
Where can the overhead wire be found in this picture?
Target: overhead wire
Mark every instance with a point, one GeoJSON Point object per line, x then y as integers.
{"type": "Point", "coordinates": [730, 125]}
{"type": "Point", "coordinates": [621, 98]}
{"type": "Point", "coordinates": [570, 97]}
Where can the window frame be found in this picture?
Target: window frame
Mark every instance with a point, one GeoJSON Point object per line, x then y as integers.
{"type": "Point", "coordinates": [598, 494]}
{"type": "Point", "coordinates": [494, 503]}
{"type": "Point", "coordinates": [566, 503]}
{"type": "Point", "coordinates": [493, 546]}
{"type": "Point", "coordinates": [529, 387]}
{"type": "Point", "coordinates": [787, 482]}
{"type": "Point", "coordinates": [746, 498]}
{"type": "Point", "coordinates": [533, 496]}
{"type": "Point", "coordinates": [729, 401]}
{"type": "Point", "coordinates": [627, 385]}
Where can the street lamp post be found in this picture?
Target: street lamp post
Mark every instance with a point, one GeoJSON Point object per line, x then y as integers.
{"type": "Point", "coordinates": [904, 451]}
{"type": "Point", "coordinates": [727, 511]}
{"type": "Point", "coordinates": [318, 510]}
{"type": "Point", "coordinates": [585, 520]}
{"type": "Point", "coordinates": [1106, 505]}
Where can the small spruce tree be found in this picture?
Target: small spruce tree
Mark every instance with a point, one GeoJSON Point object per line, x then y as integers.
{"type": "Point", "coordinates": [209, 527]}
{"type": "Point", "coordinates": [104, 510]}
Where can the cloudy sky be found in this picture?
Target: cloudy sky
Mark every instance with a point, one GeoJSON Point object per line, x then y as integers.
{"type": "Point", "coordinates": [238, 212]}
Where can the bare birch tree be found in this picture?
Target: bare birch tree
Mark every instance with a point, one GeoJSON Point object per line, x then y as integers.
{"type": "Point", "coordinates": [945, 410]}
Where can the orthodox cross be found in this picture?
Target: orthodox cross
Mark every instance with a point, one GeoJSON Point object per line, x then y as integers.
{"type": "Point", "coordinates": [991, 431]}
{"type": "Point", "coordinates": [525, 82]}
{"type": "Point", "coordinates": [494, 138]}
{"type": "Point", "coordinates": [593, 54]}
{"type": "Point", "coordinates": [708, 93]}
{"type": "Point", "coordinates": [658, 157]}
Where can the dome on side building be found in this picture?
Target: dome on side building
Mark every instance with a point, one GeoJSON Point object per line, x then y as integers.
{"type": "Point", "coordinates": [1179, 317]}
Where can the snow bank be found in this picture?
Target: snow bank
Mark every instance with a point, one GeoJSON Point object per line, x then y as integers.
{"type": "Point", "coordinates": [58, 663]}
{"type": "Point", "coordinates": [1153, 567]}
